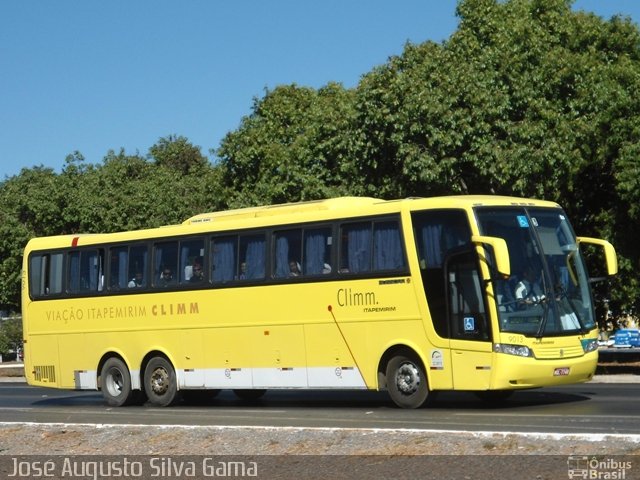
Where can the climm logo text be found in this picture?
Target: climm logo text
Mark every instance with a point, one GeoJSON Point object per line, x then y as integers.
{"type": "Point", "coordinates": [174, 309]}
{"type": "Point", "coordinates": [349, 298]}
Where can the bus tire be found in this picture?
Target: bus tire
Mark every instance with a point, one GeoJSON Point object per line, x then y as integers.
{"type": "Point", "coordinates": [249, 394]}
{"type": "Point", "coordinates": [407, 381]}
{"type": "Point", "coordinates": [115, 383]}
{"type": "Point", "coordinates": [160, 382]}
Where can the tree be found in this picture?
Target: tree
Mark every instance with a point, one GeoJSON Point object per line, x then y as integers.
{"type": "Point", "coordinates": [527, 98]}
{"type": "Point", "coordinates": [294, 146]}
{"type": "Point", "coordinates": [177, 153]}
{"type": "Point", "coordinates": [10, 335]}
{"type": "Point", "coordinates": [144, 193]}
{"type": "Point", "coordinates": [125, 192]}
{"type": "Point", "coordinates": [31, 203]}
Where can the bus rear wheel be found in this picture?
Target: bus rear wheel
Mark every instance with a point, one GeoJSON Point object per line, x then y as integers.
{"type": "Point", "coordinates": [160, 382]}
{"type": "Point", "coordinates": [407, 381]}
{"type": "Point", "coordinates": [115, 383]}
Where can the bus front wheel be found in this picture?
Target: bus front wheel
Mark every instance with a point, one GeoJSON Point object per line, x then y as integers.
{"type": "Point", "coordinates": [407, 381]}
{"type": "Point", "coordinates": [115, 383]}
{"type": "Point", "coordinates": [160, 383]}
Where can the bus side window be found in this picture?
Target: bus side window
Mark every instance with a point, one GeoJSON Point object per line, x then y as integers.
{"type": "Point", "coordinates": [371, 246]}
{"type": "Point", "coordinates": [86, 271]}
{"type": "Point", "coordinates": [355, 251]}
{"type": "Point", "coordinates": [165, 261]}
{"type": "Point", "coordinates": [252, 257]}
{"type": "Point", "coordinates": [287, 253]}
{"type": "Point", "coordinates": [191, 257]}
{"type": "Point", "coordinates": [317, 251]}
{"type": "Point", "coordinates": [55, 273]}
{"type": "Point", "coordinates": [224, 259]}
{"type": "Point", "coordinates": [138, 266]}
{"type": "Point", "coordinates": [38, 275]}
{"type": "Point", "coordinates": [45, 274]}
{"type": "Point", "coordinates": [118, 276]}
{"type": "Point", "coordinates": [388, 253]}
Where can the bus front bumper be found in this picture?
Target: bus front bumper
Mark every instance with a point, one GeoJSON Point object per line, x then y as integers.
{"type": "Point", "coordinates": [512, 372]}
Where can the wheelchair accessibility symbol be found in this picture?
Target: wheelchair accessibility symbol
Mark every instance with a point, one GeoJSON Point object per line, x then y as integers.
{"type": "Point", "coordinates": [469, 324]}
{"type": "Point", "coordinates": [523, 221]}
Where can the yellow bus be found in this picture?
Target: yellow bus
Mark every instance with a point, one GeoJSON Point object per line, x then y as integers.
{"type": "Point", "coordinates": [415, 296]}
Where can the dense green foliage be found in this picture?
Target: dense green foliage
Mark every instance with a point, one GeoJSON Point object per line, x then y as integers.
{"type": "Point", "coordinates": [10, 335]}
{"type": "Point", "coordinates": [526, 98]}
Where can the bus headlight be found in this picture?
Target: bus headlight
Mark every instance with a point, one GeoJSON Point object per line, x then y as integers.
{"type": "Point", "coordinates": [517, 350]}
{"type": "Point", "coordinates": [589, 344]}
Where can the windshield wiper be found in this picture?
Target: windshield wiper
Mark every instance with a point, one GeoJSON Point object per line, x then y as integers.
{"type": "Point", "coordinates": [545, 316]}
{"type": "Point", "coordinates": [561, 292]}
{"type": "Point", "coordinates": [544, 299]}
{"type": "Point", "coordinates": [562, 309]}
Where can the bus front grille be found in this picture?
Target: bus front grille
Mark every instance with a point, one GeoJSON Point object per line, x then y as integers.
{"type": "Point", "coordinates": [45, 373]}
{"type": "Point", "coordinates": [558, 352]}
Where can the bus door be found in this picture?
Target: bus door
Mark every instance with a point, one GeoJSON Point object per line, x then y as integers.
{"type": "Point", "coordinates": [455, 299]}
{"type": "Point", "coordinates": [469, 325]}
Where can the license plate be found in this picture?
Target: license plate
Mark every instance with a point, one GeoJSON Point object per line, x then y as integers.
{"type": "Point", "coordinates": [561, 372]}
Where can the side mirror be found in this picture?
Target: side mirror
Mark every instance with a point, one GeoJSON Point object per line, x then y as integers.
{"type": "Point", "coordinates": [609, 252]}
{"type": "Point", "coordinates": [500, 252]}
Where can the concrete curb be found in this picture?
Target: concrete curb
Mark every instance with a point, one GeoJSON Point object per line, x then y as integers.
{"type": "Point", "coordinates": [13, 380]}
{"type": "Point", "coordinates": [616, 378]}
{"type": "Point", "coordinates": [11, 365]}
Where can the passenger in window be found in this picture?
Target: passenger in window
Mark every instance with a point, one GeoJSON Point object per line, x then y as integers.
{"type": "Point", "coordinates": [136, 281]}
{"type": "Point", "coordinates": [166, 278]}
{"type": "Point", "coordinates": [243, 271]}
{"type": "Point", "coordinates": [294, 269]}
{"type": "Point", "coordinates": [326, 269]}
{"type": "Point", "coordinates": [198, 272]}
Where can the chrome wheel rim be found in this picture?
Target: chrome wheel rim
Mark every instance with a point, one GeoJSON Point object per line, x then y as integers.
{"type": "Point", "coordinates": [160, 381]}
{"type": "Point", "coordinates": [114, 382]}
{"type": "Point", "coordinates": [408, 379]}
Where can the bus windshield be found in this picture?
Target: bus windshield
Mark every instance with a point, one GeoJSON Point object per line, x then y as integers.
{"type": "Point", "coordinates": [548, 291]}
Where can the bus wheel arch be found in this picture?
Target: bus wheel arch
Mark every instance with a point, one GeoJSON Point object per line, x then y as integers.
{"type": "Point", "coordinates": [160, 379]}
{"type": "Point", "coordinates": [402, 373]}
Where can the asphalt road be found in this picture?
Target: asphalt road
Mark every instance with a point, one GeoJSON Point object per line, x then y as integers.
{"type": "Point", "coordinates": [593, 408]}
